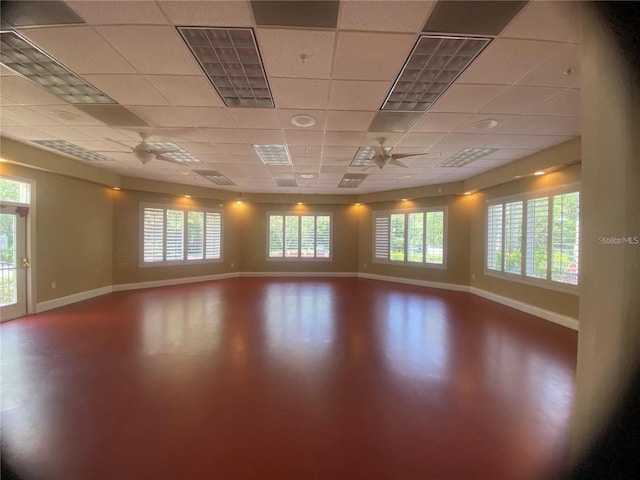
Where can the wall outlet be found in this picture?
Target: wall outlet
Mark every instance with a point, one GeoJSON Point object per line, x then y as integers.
{"type": "Point", "coordinates": [53, 285]}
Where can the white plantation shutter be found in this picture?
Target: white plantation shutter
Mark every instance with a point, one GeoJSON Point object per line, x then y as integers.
{"type": "Point", "coordinates": [173, 235]}
{"type": "Point", "coordinates": [323, 236]}
{"type": "Point", "coordinates": [565, 238]}
{"type": "Point", "coordinates": [494, 237]}
{"type": "Point", "coordinates": [276, 236]}
{"type": "Point", "coordinates": [307, 236]}
{"type": "Point", "coordinates": [299, 236]}
{"type": "Point", "coordinates": [537, 237]}
{"type": "Point", "coordinates": [153, 233]}
{"type": "Point", "coordinates": [291, 235]}
{"type": "Point", "coordinates": [213, 235]}
{"type": "Point", "coordinates": [434, 247]}
{"type": "Point", "coordinates": [415, 237]}
{"type": "Point", "coordinates": [513, 237]}
{"type": "Point", "coordinates": [381, 238]}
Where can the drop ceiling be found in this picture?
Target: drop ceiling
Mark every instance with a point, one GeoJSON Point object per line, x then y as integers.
{"type": "Point", "coordinates": [334, 61]}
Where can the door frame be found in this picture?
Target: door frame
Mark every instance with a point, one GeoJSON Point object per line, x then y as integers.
{"type": "Point", "coordinates": [31, 240]}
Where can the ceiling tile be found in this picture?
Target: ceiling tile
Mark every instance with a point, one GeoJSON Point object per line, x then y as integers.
{"type": "Point", "coordinates": [349, 121]}
{"type": "Point", "coordinates": [199, 13]}
{"type": "Point", "coordinates": [537, 142]}
{"type": "Point", "coordinates": [561, 70]}
{"type": "Point", "coordinates": [565, 103]}
{"type": "Point", "coordinates": [307, 13]}
{"type": "Point", "coordinates": [242, 159]}
{"type": "Point", "coordinates": [390, 16]}
{"type": "Point", "coordinates": [306, 162]}
{"type": "Point", "coordinates": [186, 90]}
{"type": "Point", "coordinates": [494, 140]}
{"type": "Point", "coordinates": [90, 52]}
{"type": "Point", "coordinates": [67, 114]}
{"type": "Point", "coordinates": [394, 121]}
{"type": "Point", "coordinates": [338, 152]}
{"type": "Point", "coordinates": [353, 95]}
{"type": "Point", "coordinates": [558, 21]}
{"type": "Point", "coordinates": [163, 116]}
{"type": "Point", "coordinates": [127, 89]}
{"type": "Point", "coordinates": [476, 123]}
{"type": "Point", "coordinates": [439, 122]}
{"type": "Point", "coordinates": [343, 139]}
{"type": "Point", "coordinates": [283, 51]}
{"type": "Point", "coordinates": [467, 98]}
{"type": "Point", "coordinates": [371, 56]}
{"type": "Point", "coordinates": [25, 116]}
{"type": "Point", "coordinates": [520, 99]}
{"type": "Point", "coordinates": [285, 119]}
{"type": "Point", "coordinates": [453, 143]}
{"type": "Point", "coordinates": [152, 49]}
{"type": "Point", "coordinates": [23, 92]}
{"type": "Point", "coordinates": [208, 116]}
{"type": "Point", "coordinates": [543, 125]}
{"type": "Point", "coordinates": [101, 132]}
{"type": "Point", "coordinates": [21, 132]}
{"type": "Point", "coordinates": [302, 137]}
{"type": "Point", "coordinates": [255, 117]}
{"type": "Point", "coordinates": [390, 139]}
{"type": "Point", "coordinates": [298, 93]}
{"type": "Point", "coordinates": [224, 135]}
{"type": "Point", "coordinates": [505, 61]}
{"type": "Point", "coordinates": [264, 137]}
{"type": "Point", "coordinates": [118, 12]}
{"type": "Point", "coordinates": [424, 140]}
{"type": "Point", "coordinates": [510, 154]}
{"type": "Point", "coordinates": [63, 132]}
{"type": "Point", "coordinates": [305, 151]}
{"type": "Point", "coordinates": [199, 148]}
{"type": "Point", "coordinates": [114, 115]}
{"type": "Point", "coordinates": [236, 149]}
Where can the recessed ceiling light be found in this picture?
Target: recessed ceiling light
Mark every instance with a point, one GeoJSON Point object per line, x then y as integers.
{"type": "Point", "coordinates": [231, 60]}
{"type": "Point", "coordinates": [467, 193]}
{"type": "Point", "coordinates": [352, 180]}
{"type": "Point", "coordinates": [539, 172]}
{"type": "Point", "coordinates": [184, 172]}
{"type": "Point", "coordinates": [67, 116]}
{"type": "Point", "coordinates": [273, 154]}
{"type": "Point", "coordinates": [357, 204]}
{"type": "Point", "coordinates": [404, 177]}
{"type": "Point", "coordinates": [485, 124]}
{"type": "Point", "coordinates": [187, 196]}
{"type": "Point", "coordinates": [405, 199]}
{"type": "Point", "coordinates": [73, 150]}
{"type": "Point", "coordinates": [433, 65]}
{"type": "Point", "coordinates": [300, 203]}
{"type": "Point", "coordinates": [466, 156]}
{"type": "Point", "coordinates": [304, 121]}
{"type": "Point", "coordinates": [307, 176]}
{"type": "Point", "coordinates": [115, 188]}
{"type": "Point", "coordinates": [29, 61]}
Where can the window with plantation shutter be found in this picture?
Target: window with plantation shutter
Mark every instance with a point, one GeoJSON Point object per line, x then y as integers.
{"type": "Point", "coordinates": [178, 235]}
{"type": "Point", "coordinates": [293, 236]}
{"type": "Point", "coordinates": [415, 237]}
{"type": "Point", "coordinates": [536, 238]}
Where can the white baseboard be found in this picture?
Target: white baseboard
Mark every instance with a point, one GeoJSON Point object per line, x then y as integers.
{"type": "Point", "coordinates": [419, 283]}
{"type": "Point", "coordinates": [173, 281]}
{"type": "Point", "coordinates": [69, 299]}
{"type": "Point", "coordinates": [298, 274]}
{"type": "Point", "coordinates": [554, 317]}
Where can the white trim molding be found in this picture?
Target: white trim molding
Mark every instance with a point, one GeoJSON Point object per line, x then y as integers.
{"type": "Point", "coordinates": [299, 274]}
{"type": "Point", "coordinates": [548, 315]}
{"type": "Point", "coordinates": [73, 298]}
{"type": "Point", "coordinates": [172, 281]}
{"type": "Point", "coordinates": [420, 283]}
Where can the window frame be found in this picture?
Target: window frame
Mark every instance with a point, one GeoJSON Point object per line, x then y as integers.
{"type": "Point", "coordinates": [299, 258]}
{"type": "Point", "coordinates": [406, 212]}
{"type": "Point", "coordinates": [185, 209]}
{"type": "Point", "coordinates": [525, 197]}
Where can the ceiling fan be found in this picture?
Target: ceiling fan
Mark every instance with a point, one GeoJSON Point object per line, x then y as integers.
{"type": "Point", "coordinates": [145, 152]}
{"type": "Point", "coordinates": [383, 158]}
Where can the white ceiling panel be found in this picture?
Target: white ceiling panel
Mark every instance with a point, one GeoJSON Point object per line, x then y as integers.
{"type": "Point", "coordinates": [235, 13]}
{"type": "Point", "coordinates": [559, 21]}
{"type": "Point", "coordinates": [152, 49]}
{"type": "Point", "coordinates": [199, 148]}
{"type": "Point", "coordinates": [339, 152]}
{"type": "Point", "coordinates": [81, 49]}
{"type": "Point", "coordinates": [186, 90]}
{"type": "Point", "coordinates": [390, 139]}
{"type": "Point", "coordinates": [264, 137]}
{"type": "Point", "coordinates": [371, 56]}
{"type": "Point", "coordinates": [477, 123]}
{"type": "Point", "coordinates": [208, 116]}
{"type": "Point", "coordinates": [561, 70]}
{"type": "Point", "coordinates": [106, 12]}
{"type": "Point", "coordinates": [296, 53]}
{"type": "Point", "coordinates": [467, 98]}
{"type": "Point", "coordinates": [224, 135]}
{"type": "Point", "coordinates": [388, 16]}
{"type": "Point", "coordinates": [25, 133]}
{"type": "Point", "coordinates": [298, 93]}
{"type": "Point", "coordinates": [157, 116]}
{"type": "Point", "coordinates": [544, 125]}
{"type": "Point", "coordinates": [67, 114]}
{"type": "Point", "coordinates": [505, 61]}
{"type": "Point", "coordinates": [343, 139]}
{"type": "Point", "coordinates": [25, 116]}
{"type": "Point", "coordinates": [354, 95]}
{"type": "Point", "coordinates": [509, 154]}
{"type": "Point", "coordinates": [521, 99]}
{"type": "Point", "coordinates": [305, 151]}
{"type": "Point", "coordinates": [255, 117]}
{"type": "Point", "coordinates": [63, 132]}
{"type": "Point", "coordinates": [127, 89]}
{"type": "Point", "coordinates": [453, 143]}
{"type": "Point", "coordinates": [285, 115]}
{"type": "Point", "coordinates": [439, 122]}
{"type": "Point", "coordinates": [302, 137]}
{"type": "Point", "coordinates": [420, 140]}
{"type": "Point", "coordinates": [341, 121]}
{"type": "Point", "coordinates": [566, 102]}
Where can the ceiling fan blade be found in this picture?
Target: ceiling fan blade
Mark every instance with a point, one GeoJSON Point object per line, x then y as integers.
{"type": "Point", "coordinates": [397, 163]}
{"type": "Point", "coordinates": [167, 159]}
{"type": "Point", "coordinates": [396, 156]}
{"type": "Point", "coordinates": [119, 143]}
{"type": "Point", "coordinates": [163, 151]}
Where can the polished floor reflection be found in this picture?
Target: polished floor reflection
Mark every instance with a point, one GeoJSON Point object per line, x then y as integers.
{"type": "Point", "coordinates": [261, 378]}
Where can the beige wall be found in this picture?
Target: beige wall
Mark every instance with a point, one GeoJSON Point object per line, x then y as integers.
{"type": "Point", "coordinates": [73, 241]}
{"type": "Point", "coordinates": [555, 301]}
{"type": "Point", "coordinates": [126, 239]}
{"type": "Point", "coordinates": [252, 219]}
{"type": "Point", "coordinates": [457, 245]}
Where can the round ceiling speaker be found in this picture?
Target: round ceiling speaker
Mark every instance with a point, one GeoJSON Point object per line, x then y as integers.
{"type": "Point", "coordinates": [485, 124]}
{"type": "Point", "coordinates": [304, 121]}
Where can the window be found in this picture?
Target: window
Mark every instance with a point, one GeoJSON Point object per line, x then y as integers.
{"type": "Point", "coordinates": [414, 237]}
{"type": "Point", "coordinates": [535, 238]}
{"type": "Point", "coordinates": [177, 235]}
{"type": "Point", "coordinates": [299, 236]}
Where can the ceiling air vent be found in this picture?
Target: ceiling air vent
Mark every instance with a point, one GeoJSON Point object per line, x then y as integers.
{"type": "Point", "coordinates": [466, 156]}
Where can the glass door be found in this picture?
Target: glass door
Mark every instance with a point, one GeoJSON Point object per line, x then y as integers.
{"type": "Point", "coordinates": [13, 261]}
